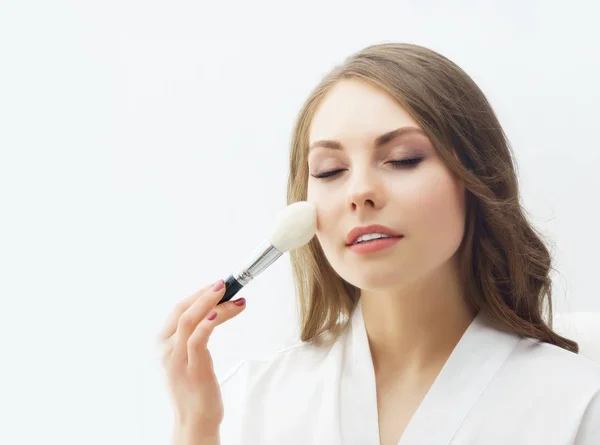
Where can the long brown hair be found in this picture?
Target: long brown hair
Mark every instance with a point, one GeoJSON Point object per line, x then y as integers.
{"type": "Point", "coordinates": [504, 262]}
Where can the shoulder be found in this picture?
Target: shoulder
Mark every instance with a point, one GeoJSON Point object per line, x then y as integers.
{"type": "Point", "coordinates": [270, 383]}
{"type": "Point", "coordinates": [555, 363]}
{"type": "Point", "coordinates": [554, 377]}
{"type": "Point", "coordinates": [298, 358]}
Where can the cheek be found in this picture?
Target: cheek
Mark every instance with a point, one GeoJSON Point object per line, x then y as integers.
{"type": "Point", "coordinates": [328, 208]}
{"type": "Point", "coordinates": [438, 209]}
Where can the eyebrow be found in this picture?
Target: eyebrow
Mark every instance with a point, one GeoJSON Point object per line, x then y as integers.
{"type": "Point", "coordinates": [379, 141]}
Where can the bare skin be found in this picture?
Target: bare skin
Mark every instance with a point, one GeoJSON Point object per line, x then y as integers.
{"type": "Point", "coordinates": [413, 304]}
{"type": "Point", "coordinates": [192, 382]}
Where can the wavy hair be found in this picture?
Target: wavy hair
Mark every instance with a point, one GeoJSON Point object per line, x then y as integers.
{"type": "Point", "coordinates": [504, 262]}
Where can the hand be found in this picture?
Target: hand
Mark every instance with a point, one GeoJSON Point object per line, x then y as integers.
{"type": "Point", "coordinates": [193, 385]}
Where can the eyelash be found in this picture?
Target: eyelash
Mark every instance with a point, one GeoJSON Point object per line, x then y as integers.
{"type": "Point", "coordinates": [403, 163]}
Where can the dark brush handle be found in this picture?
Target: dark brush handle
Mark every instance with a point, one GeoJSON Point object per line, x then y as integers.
{"type": "Point", "coordinates": [232, 287]}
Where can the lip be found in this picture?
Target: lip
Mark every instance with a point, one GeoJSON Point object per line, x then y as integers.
{"type": "Point", "coordinates": [374, 228]}
{"type": "Point", "coordinates": [374, 245]}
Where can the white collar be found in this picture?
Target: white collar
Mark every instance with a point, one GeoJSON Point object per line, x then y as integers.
{"type": "Point", "coordinates": [472, 364]}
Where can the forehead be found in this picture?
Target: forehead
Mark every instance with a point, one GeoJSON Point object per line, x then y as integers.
{"type": "Point", "coordinates": [355, 110]}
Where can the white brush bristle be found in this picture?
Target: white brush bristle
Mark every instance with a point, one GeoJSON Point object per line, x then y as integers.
{"type": "Point", "coordinates": [294, 226]}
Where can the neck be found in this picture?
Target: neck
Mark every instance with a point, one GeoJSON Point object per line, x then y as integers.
{"type": "Point", "coordinates": [416, 327]}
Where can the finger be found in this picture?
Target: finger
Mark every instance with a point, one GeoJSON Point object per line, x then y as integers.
{"type": "Point", "coordinates": [166, 349]}
{"type": "Point", "coordinates": [170, 325]}
{"type": "Point", "coordinates": [198, 341]}
{"type": "Point", "coordinates": [198, 311]}
{"type": "Point", "coordinates": [223, 312]}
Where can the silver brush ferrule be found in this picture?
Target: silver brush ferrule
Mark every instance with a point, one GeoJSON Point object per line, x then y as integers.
{"type": "Point", "coordinates": [262, 257]}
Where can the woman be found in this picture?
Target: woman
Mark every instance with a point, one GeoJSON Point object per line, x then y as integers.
{"type": "Point", "coordinates": [422, 295]}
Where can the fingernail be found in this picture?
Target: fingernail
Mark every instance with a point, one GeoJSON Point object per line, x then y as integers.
{"type": "Point", "coordinates": [218, 286]}
{"type": "Point", "coordinates": [240, 301]}
{"type": "Point", "coordinates": [212, 315]}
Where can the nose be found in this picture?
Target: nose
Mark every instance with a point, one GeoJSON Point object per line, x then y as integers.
{"type": "Point", "coordinates": [364, 192]}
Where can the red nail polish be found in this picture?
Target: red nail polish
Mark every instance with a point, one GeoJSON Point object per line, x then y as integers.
{"type": "Point", "coordinates": [212, 316]}
{"type": "Point", "coordinates": [240, 301]}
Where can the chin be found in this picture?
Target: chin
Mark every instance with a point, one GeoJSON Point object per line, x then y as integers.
{"type": "Point", "coordinates": [370, 277]}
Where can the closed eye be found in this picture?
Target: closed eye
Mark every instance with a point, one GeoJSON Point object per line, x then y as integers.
{"type": "Point", "coordinates": [399, 163]}
{"type": "Point", "coordinates": [328, 174]}
{"type": "Point", "coordinates": [406, 162]}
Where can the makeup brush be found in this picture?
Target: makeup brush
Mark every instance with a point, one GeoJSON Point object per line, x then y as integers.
{"type": "Point", "coordinates": [294, 226]}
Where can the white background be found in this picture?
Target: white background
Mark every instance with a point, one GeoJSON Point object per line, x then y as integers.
{"type": "Point", "coordinates": [144, 154]}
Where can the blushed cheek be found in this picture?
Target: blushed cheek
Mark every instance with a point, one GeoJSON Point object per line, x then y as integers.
{"type": "Point", "coordinates": [325, 227]}
{"type": "Point", "coordinates": [329, 233]}
{"type": "Point", "coordinates": [324, 208]}
{"type": "Point", "coordinates": [440, 208]}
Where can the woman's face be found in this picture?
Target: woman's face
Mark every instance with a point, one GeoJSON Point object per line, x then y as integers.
{"type": "Point", "coordinates": [400, 183]}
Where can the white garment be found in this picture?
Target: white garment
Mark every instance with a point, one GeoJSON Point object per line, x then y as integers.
{"type": "Point", "coordinates": [496, 388]}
